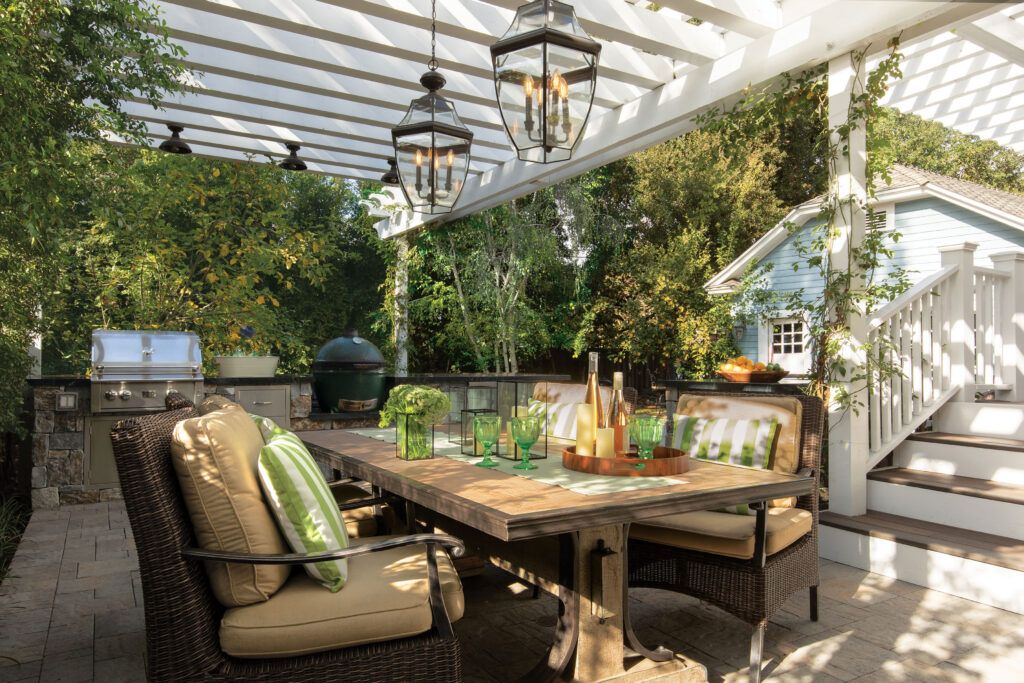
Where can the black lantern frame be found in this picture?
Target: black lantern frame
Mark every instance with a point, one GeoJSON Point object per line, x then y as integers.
{"type": "Point", "coordinates": [547, 52]}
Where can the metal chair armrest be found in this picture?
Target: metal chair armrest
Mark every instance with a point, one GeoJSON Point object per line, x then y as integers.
{"type": "Point", "coordinates": [453, 546]}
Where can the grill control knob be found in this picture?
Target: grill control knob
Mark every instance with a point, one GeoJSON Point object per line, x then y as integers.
{"type": "Point", "coordinates": [125, 394]}
{"type": "Point", "coordinates": [110, 395]}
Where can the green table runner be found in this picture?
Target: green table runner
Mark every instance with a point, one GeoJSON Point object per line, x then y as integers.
{"type": "Point", "coordinates": [549, 470]}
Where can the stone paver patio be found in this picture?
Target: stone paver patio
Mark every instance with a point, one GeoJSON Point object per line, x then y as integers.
{"type": "Point", "coordinates": [71, 610]}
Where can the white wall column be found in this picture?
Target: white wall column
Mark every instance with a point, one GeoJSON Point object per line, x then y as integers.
{"type": "Point", "coordinates": [960, 314]}
{"type": "Point", "coordinates": [401, 312]}
{"type": "Point", "coordinates": [1011, 327]}
{"type": "Point", "coordinates": [848, 429]}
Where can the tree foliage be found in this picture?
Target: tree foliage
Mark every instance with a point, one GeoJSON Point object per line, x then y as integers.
{"type": "Point", "coordinates": [65, 67]}
{"type": "Point", "coordinates": [172, 242]}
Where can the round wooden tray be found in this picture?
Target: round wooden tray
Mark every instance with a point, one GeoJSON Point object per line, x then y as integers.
{"type": "Point", "coordinates": [754, 376]}
{"type": "Point", "coordinates": [666, 462]}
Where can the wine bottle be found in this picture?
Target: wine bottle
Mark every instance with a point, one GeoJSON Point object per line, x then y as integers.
{"type": "Point", "coordinates": [617, 415]}
{"type": "Point", "coordinates": [594, 393]}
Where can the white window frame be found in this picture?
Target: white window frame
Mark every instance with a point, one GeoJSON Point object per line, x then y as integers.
{"type": "Point", "coordinates": [764, 336]}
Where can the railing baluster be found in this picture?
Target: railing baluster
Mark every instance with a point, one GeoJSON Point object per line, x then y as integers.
{"type": "Point", "coordinates": [906, 368]}
{"type": "Point", "coordinates": [883, 356]}
{"type": "Point", "coordinates": [895, 338]}
{"type": "Point", "coordinates": [927, 349]}
{"type": "Point", "coordinates": [998, 291]}
{"type": "Point", "coordinates": [945, 337]}
{"type": "Point", "coordinates": [874, 399]}
{"type": "Point", "coordinates": [916, 365]}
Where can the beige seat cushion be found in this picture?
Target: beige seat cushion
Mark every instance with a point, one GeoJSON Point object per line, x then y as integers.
{"type": "Point", "coordinates": [385, 597]}
{"type": "Point", "coordinates": [724, 533]}
{"type": "Point", "coordinates": [359, 523]}
{"type": "Point", "coordinates": [215, 457]}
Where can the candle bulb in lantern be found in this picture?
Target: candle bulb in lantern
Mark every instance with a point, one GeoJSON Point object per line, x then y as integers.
{"type": "Point", "coordinates": [528, 91]}
{"type": "Point", "coordinates": [419, 171]}
{"type": "Point", "coordinates": [450, 160]}
{"type": "Point", "coordinates": [564, 92]}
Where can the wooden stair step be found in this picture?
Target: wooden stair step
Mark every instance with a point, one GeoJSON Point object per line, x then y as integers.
{"type": "Point", "coordinates": [971, 545]}
{"type": "Point", "coordinates": [950, 483]}
{"type": "Point", "coordinates": [990, 442]}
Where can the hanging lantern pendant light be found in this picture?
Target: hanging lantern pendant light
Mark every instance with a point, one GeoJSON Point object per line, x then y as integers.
{"type": "Point", "coordinates": [432, 146]}
{"type": "Point", "coordinates": [545, 73]}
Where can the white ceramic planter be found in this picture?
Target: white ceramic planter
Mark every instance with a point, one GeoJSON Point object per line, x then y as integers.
{"type": "Point", "coordinates": [247, 366]}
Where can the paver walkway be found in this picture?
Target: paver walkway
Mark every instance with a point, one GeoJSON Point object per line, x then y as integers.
{"type": "Point", "coordinates": [71, 610]}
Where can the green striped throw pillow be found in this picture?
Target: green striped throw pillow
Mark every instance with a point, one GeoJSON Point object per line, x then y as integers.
{"type": "Point", "coordinates": [266, 425]}
{"type": "Point", "coordinates": [302, 502]}
{"type": "Point", "coordinates": [560, 417]}
{"type": "Point", "coordinates": [736, 442]}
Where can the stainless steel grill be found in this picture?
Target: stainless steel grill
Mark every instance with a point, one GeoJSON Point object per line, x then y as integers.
{"type": "Point", "coordinates": [133, 370]}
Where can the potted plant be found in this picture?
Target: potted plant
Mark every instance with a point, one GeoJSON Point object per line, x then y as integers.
{"type": "Point", "coordinates": [414, 408]}
{"type": "Point", "coordinates": [245, 361]}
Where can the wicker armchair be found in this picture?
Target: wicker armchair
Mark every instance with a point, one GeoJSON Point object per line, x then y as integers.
{"type": "Point", "coordinates": [182, 616]}
{"type": "Point", "coordinates": [750, 589]}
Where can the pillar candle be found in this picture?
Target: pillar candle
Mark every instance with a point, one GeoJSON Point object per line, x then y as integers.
{"type": "Point", "coordinates": [605, 442]}
{"type": "Point", "coordinates": [585, 425]}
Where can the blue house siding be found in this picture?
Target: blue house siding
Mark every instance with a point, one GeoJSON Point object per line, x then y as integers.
{"type": "Point", "coordinates": [924, 225]}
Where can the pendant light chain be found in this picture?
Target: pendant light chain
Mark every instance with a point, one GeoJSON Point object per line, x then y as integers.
{"type": "Point", "coordinates": [432, 64]}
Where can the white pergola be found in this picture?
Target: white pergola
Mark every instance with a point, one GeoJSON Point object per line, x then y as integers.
{"type": "Point", "coordinates": [336, 75]}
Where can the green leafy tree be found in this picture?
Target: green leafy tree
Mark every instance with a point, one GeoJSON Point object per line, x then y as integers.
{"type": "Point", "coordinates": [65, 67]}
{"type": "Point", "coordinates": [177, 242]}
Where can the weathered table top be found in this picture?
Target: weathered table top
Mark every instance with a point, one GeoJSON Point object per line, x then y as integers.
{"type": "Point", "coordinates": [512, 508]}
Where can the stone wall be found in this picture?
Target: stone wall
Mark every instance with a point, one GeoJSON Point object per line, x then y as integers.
{"type": "Point", "coordinates": [58, 450]}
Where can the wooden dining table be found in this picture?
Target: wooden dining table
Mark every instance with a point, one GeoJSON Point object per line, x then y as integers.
{"type": "Point", "coordinates": [569, 544]}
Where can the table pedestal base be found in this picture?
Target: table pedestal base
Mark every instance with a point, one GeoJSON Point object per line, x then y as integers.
{"type": "Point", "coordinates": [586, 571]}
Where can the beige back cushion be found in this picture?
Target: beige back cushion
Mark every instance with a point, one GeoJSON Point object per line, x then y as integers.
{"type": "Point", "coordinates": [566, 392]}
{"type": "Point", "coordinates": [786, 409]}
{"type": "Point", "coordinates": [215, 457]}
{"type": "Point", "coordinates": [215, 402]}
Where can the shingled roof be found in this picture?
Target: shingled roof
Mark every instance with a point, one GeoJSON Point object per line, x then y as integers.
{"type": "Point", "coordinates": [911, 176]}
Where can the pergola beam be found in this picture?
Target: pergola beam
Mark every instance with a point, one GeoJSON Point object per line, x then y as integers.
{"type": "Point", "coordinates": [334, 24]}
{"type": "Point", "coordinates": [754, 18]}
{"type": "Point", "coordinates": [669, 111]}
{"type": "Point", "coordinates": [614, 20]}
{"type": "Point", "coordinates": [1000, 34]}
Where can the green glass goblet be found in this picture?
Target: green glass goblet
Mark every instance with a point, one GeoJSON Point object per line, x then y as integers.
{"type": "Point", "coordinates": [525, 432]}
{"type": "Point", "coordinates": [646, 431]}
{"type": "Point", "coordinates": [487, 429]}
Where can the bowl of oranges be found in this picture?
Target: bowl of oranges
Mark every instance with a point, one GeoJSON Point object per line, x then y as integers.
{"type": "Point", "coordinates": [742, 369]}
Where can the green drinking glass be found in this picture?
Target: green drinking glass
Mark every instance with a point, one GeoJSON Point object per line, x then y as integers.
{"type": "Point", "coordinates": [646, 431]}
{"type": "Point", "coordinates": [525, 432]}
{"type": "Point", "coordinates": [487, 429]}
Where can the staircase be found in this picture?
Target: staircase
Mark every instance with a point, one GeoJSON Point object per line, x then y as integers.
{"type": "Point", "coordinates": [944, 475]}
{"type": "Point", "coordinates": [949, 512]}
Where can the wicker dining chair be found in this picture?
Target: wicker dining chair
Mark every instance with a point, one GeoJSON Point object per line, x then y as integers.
{"type": "Point", "coordinates": [182, 615]}
{"type": "Point", "coordinates": [750, 589]}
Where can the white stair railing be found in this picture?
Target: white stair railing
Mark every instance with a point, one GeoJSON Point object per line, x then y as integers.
{"type": "Point", "coordinates": [909, 374]}
{"type": "Point", "coordinates": [989, 297]}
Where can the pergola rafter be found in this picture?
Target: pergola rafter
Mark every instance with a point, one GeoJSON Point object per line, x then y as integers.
{"type": "Point", "coordinates": [669, 111]}
{"type": "Point", "coordinates": [337, 75]}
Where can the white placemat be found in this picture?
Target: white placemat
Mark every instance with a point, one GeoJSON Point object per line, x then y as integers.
{"type": "Point", "coordinates": [549, 470]}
